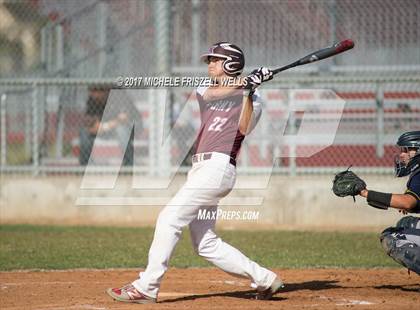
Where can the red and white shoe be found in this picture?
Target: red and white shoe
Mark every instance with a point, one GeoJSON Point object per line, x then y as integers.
{"type": "Point", "coordinates": [129, 293]}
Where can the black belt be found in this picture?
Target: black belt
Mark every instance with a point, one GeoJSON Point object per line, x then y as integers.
{"type": "Point", "coordinates": [205, 156]}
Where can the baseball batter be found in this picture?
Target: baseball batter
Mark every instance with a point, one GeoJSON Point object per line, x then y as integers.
{"type": "Point", "coordinates": [228, 114]}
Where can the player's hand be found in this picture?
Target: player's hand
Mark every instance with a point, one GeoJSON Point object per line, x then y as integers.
{"type": "Point", "coordinates": [252, 81]}
{"type": "Point", "coordinates": [265, 73]}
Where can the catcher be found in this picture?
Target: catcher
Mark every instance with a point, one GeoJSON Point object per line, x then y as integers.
{"type": "Point", "coordinates": [401, 242]}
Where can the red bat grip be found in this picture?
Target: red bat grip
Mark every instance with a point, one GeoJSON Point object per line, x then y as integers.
{"type": "Point", "coordinates": [344, 46]}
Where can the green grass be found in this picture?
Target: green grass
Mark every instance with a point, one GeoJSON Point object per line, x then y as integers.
{"type": "Point", "coordinates": [50, 247]}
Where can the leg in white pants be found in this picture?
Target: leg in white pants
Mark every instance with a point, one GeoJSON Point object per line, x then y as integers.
{"type": "Point", "coordinates": [208, 182]}
{"type": "Point", "coordinates": [208, 245]}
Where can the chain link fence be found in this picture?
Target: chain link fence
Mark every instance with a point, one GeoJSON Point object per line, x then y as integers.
{"type": "Point", "coordinates": [44, 126]}
{"type": "Point", "coordinates": [386, 32]}
{"type": "Point", "coordinates": [112, 38]}
{"type": "Point", "coordinates": [56, 55]}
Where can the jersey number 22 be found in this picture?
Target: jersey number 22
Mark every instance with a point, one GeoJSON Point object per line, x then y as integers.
{"type": "Point", "coordinates": [217, 124]}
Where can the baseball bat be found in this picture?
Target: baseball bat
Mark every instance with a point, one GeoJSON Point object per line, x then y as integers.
{"type": "Point", "coordinates": [336, 49]}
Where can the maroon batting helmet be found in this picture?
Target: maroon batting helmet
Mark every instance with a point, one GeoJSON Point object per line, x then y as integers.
{"type": "Point", "coordinates": [234, 57]}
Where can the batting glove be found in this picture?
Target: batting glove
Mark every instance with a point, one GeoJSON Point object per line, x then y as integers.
{"type": "Point", "coordinates": [265, 73]}
{"type": "Point", "coordinates": [252, 81]}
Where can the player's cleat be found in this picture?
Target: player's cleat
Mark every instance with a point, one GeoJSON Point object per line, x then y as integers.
{"type": "Point", "coordinates": [272, 290]}
{"type": "Point", "coordinates": [129, 293]}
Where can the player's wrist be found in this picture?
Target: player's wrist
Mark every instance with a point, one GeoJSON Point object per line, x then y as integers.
{"type": "Point", "coordinates": [248, 92]}
{"type": "Point", "coordinates": [364, 193]}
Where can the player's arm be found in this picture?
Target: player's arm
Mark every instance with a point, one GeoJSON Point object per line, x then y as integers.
{"type": "Point", "coordinates": [250, 84]}
{"type": "Point", "coordinates": [95, 126]}
{"type": "Point", "coordinates": [405, 202]}
{"type": "Point", "coordinates": [246, 113]}
{"type": "Point", "coordinates": [108, 125]}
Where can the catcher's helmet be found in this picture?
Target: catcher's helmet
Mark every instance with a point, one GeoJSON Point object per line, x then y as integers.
{"type": "Point", "coordinates": [234, 57]}
{"type": "Point", "coordinates": [408, 140]}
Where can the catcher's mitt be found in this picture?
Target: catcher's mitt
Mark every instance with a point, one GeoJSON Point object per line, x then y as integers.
{"type": "Point", "coordinates": [347, 183]}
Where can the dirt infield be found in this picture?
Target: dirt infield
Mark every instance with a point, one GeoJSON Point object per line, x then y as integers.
{"type": "Point", "coordinates": [213, 289]}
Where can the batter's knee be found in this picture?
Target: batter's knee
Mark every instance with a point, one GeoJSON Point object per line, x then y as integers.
{"type": "Point", "coordinates": [402, 251]}
{"type": "Point", "coordinates": [388, 240]}
{"type": "Point", "coordinates": [168, 222]}
{"type": "Point", "coordinates": [207, 246]}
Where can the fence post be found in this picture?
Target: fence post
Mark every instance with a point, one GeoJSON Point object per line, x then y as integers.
{"type": "Point", "coordinates": [3, 137]}
{"type": "Point", "coordinates": [35, 130]}
{"type": "Point", "coordinates": [28, 130]}
{"type": "Point", "coordinates": [163, 67]}
{"type": "Point", "coordinates": [291, 123]}
{"type": "Point", "coordinates": [49, 49]}
{"type": "Point", "coordinates": [152, 141]}
{"type": "Point", "coordinates": [195, 26]}
{"type": "Point", "coordinates": [380, 121]}
{"type": "Point", "coordinates": [59, 48]}
{"type": "Point", "coordinates": [101, 26]}
{"type": "Point", "coordinates": [44, 41]}
{"type": "Point", "coordinates": [332, 13]}
{"type": "Point", "coordinates": [59, 64]}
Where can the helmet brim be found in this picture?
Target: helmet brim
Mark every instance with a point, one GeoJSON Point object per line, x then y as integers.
{"type": "Point", "coordinates": [205, 57]}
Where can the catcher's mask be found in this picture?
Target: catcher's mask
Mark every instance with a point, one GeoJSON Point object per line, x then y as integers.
{"type": "Point", "coordinates": [234, 60]}
{"type": "Point", "coordinates": [407, 142]}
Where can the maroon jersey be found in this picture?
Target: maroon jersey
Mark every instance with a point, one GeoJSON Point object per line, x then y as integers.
{"type": "Point", "coordinates": [219, 130]}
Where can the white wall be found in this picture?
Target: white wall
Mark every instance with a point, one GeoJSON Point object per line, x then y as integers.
{"type": "Point", "coordinates": [302, 202]}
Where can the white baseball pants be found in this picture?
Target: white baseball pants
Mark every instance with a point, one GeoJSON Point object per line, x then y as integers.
{"type": "Point", "coordinates": [208, 181]}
